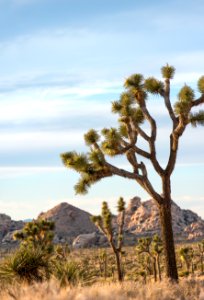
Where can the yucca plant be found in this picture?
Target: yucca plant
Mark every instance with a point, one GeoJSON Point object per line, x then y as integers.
{"type": "Point", "coordinates": [72, 273]}
{"type": "Point", "coordinates": [25, 265]}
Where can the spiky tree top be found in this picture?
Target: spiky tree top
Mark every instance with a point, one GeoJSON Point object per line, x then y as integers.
{"type": "Point", "coordinates": [151, 245]}
{"type": "Point", "coordinates": [104, 223]}
{"type": "Point", "coordinates": [38, 233]}
{"type": "Point", "coordinates": [133, 112]}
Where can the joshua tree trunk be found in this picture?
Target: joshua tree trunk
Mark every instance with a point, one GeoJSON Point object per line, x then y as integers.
{"type": "Point", "coordinates": [201, 262]}
{"type": "Point", "coordinates": [119, 267]}
{"type": "Point", "coordinates": [155, 269]}
{"type": "Point", "coordinates": [168, 239]}
{"type": "Point", "coordinates": [159, 267]}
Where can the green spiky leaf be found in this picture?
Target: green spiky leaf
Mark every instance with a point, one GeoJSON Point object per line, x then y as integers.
{"type": "Point", "coordinates": [121, 204]}
{"type": "Point", "coordinates": [91, 137]}
{"type": "Point", "coordinates": [123, 130]}
{"type": "Point", "coordinates": [154, 86]}
{"type": "Point", "coordinates": [135, 81]}
{"type": "Point", "coordinates": [67, 157]}
{"type": "Point", "coordinates": [82, 186]}
{"type": "Point", "coordinates": [168, 71]}
{"type": "Point", "coordinates": [126, 99]}
{"type": "Point", "coordinates": [186, 94]}
{"type": "Point", "coordinates": [201, 84]}
{"type": "Point", "coordinates": [97, 158]}
{"type": "Point", "coordinates": [182, 108]}
{"type": "Point", "coordinates": [96, 220]}
{"type": "Point", "coordinates": [110, 148]}
{"type": "Point", "coordinates": [197, 118]}
{"type": "Point", "coordinates": [116, 107]}
{"type": "Point", "coordinates": [138, 116]}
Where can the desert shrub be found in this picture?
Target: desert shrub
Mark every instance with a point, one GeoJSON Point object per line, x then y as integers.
{"type": "Point", "coordinates": [72, 273]}
{"type": "Point", "coordinates": [25, 265]}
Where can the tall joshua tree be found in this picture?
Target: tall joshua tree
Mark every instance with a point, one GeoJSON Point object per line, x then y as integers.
{"type": "Point", "coordinates": [133, 112]}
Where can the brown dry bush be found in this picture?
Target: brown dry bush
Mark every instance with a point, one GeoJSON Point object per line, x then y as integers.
{"type": "Point", "coordinates": [188, 289]}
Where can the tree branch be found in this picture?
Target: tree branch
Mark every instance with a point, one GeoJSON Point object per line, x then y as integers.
{"type": "Point", "coordinates": [167, 102]}
{"type": "Point", "coordinates": [174, 142]}
{"type": "Point", "coordinates": [151, 121]}
{"type": "Point", "coordinates": [121, 172]}
{"type": "Point", "coordinates": [145, 183]}
{"type": "Point", "coordinates": [152, 139]}
{"type": "Point", "coordinates": [141, 133]}
{"type": "Point", "coordinates": [120, 230]}
{"type": "Point", "coordinates": [198, 101]}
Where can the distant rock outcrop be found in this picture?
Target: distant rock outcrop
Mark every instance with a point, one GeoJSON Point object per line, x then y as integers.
{"type": "Point", "coordinates": [142, 218]}
{"type": "Point", "coordinates": [8, 227]}
{"type": "Point", "coordinates": [70, 222]}
{"type": "Point", "coordinates": [73, 225]}
{"type": "Point", "coordinates": [85, 240]}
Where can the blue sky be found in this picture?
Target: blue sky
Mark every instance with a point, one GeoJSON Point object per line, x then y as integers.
{"type": "Point", "coordinates": [61, 65]}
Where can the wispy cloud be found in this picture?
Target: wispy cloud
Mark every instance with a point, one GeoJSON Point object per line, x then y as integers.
{"type": "Point", "coordinates": [40, 140]}
{"type": "Point", "coordinates": [14, 172]}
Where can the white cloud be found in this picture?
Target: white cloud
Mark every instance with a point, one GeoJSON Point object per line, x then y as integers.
{"type": "Point", "coordinates": [55, 102]}
{"type": "Point", "coordinates": [24, 141]}
{"type": "Point", "coordinates": [13, 172]}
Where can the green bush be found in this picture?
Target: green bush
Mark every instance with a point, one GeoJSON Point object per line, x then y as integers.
{"type": "Point", "coordinates": [72, 273]}
{"type": "Point", "coordinates": [26, 265]}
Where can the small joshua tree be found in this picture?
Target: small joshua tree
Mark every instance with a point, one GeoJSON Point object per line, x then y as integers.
{"type": "Point", "coordinates": [157, 249]}
{"type": "Point", "coordinates": [153, 247]}
{"type": "Point", "coordinates": [133, 111]}
{"type": "Point", "coordinates": [103, 264]}
{"type": "Point", "coordinates": [144, 247]}
{"type": "Point", "coordinates": [201, 254]}
{"type": "Point", "coordinates": [37, 234]}
{"type": "Point", "coordinates": [187, 255]}
{"type": "Point", "coordinates": [104, 223]}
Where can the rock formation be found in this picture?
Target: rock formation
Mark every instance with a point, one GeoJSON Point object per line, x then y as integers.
{"type": "Point", "coordinates": [8, 227]}
{"type": "Point", "coordinates": [73, 225]}
{"type": "Point", "coordinates": [70, 222]}
{"type": "Point", "coordinates": [142, 218]}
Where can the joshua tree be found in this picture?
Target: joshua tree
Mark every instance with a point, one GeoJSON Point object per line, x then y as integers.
{"type": "Point", "coordinates": [201, 254]}
{"type": "Point", "coordinates": [144, 247]}
{"type": "Point", "coordinates": [187, 255]}
{"type": "Point", "coordinates": [37, 234]}
{"type": "Point", "coordinates": [153, 248]}
{"type": "Point", "coordinates": [104, 223]}
{"type": "Point", "coordinates": [133, 111]}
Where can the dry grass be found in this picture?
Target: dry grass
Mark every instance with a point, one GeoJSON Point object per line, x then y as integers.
{"type": "Point", "coordinates": [188, 289]}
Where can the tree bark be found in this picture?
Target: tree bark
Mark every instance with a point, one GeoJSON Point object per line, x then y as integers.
{"type": "Point", "coordinates": [154, 269]}
{"type": "Point", "coordinates": [119, 267]}
{"type": "Point", "coordinates": [159, 267]}
{"type": "Point", "coordinates": [168, 239]}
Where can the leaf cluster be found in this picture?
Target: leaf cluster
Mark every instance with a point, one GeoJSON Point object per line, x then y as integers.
{"type": "Point", "coordinates": [37, 234]}
{"type": "Point", "coordinates": [154, 86]}
{"type": "Point", "coordinates": [168, 71]}
{"type": "Point", "coordinates": [185, 98]}
{"type": "Point", "coordinates": [105, 220]}
{"type": "Point", "coordinates": [197, 118]}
